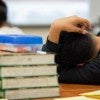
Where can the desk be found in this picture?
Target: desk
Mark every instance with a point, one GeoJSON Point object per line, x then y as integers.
{"type": "Point", "coordinates": [75, 89]}
{"type": "Point", "coordinates": [68, 90]}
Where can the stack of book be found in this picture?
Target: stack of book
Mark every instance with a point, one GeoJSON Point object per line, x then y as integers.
{"type": "Point", "coordinates": [28, 75]}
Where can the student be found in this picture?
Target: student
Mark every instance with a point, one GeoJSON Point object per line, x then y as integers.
{"type": "Point", "coordinates": [4, 27]}
{"type": "Point", "coordinates": [87, 73]}
{"type": "Point", "coordinates": [75, 50]}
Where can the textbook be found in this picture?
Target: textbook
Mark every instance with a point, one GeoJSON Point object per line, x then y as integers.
{"type": "Point", "coordinates": [93, 94]}
{"type": "Point", "coordinates": [13, 59]}
{"type": "Point", "coordinates": [20, 43]}
{"type": "Point", "coordinates": [75, 98]}
{"type": "Point", "coordinates": [28, 76]}
{"type": "Point", "coordinates": [28, 82]}
{"type": "Point", "coordinates": [33, 70]}
{"type": "Point", "coordinates": [30, 93]}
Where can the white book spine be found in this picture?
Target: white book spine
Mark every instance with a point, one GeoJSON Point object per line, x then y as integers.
{"type": "Point", "coordinates": [32, 93]}
{"type": "Point", "coordinates": [12, 83]}
{"type": "Point", "coordinates": [22, 71]}
{"type": "Point", "coordinates": [26, 59]}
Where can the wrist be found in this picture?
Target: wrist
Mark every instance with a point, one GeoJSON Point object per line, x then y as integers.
{"type": "Point", "coordinates": [54, 33]}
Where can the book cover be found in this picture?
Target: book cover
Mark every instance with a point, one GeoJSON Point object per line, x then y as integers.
{"type": "Point", "coordinates": [20, 43]}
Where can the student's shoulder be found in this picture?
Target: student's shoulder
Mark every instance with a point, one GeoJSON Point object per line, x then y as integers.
{"type": "Point", "coordinates": [94, 64]}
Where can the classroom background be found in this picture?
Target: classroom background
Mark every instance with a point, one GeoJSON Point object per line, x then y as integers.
{"type": "Point", "coordinates": [35, 16]}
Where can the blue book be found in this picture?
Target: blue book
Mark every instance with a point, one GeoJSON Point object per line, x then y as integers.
{"type": "Point", "coordinates": [21, 39]}
{"type": "Point", "coordinates": [31, 43]}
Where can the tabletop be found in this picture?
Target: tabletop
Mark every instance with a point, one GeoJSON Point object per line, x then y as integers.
{"type": "Point", "coordinates": [69, 90]}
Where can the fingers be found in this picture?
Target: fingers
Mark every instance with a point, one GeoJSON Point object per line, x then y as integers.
{"type": "Point", "coordinates": [83, 25]}
{"type": "Point", "coordinates": [80, 30]}
{"type": "Point", "coordinates": [86, 23]}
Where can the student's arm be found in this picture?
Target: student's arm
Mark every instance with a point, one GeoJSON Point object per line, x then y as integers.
{"type": "Point", "coordinates": [70, 24]}
{"type": "Point", "coordinates": [88, 74]}
{"type": "Point", "coordinates": [50, 47]}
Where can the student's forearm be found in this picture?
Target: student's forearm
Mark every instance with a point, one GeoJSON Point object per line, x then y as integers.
{"type": "Point", "coordinates": [70, 24]}
{"type": "Point", "coordinates": [54, 34]}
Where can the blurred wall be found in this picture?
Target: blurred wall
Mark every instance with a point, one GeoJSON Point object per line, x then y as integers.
{"type": "Point", "coordinates": [95, 10]}
{"type": "Point", "coordinates": [42, 31]}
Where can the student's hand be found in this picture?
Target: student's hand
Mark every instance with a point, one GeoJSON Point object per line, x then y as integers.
{"type": "Point", "coordinates": [69, 24]}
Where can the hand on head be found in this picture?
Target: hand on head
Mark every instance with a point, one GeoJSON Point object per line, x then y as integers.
{"type": "Point", "coordinates": [77, 24]}
{"type": "Point", "coordinates": [70, 24]}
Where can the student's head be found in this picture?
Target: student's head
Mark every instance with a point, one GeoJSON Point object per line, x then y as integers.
{"type": "Point", "coordinates": [98, 34]}
{"type": "Point", "coordinates": [75, 48]}
{"type": "Point", "coordinates": [3, 12]}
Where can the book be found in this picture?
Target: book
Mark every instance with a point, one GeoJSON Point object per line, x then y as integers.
{"type": "Point", "coordinates": [93, 94]}
{"type": "Point", "coordinates": [75, 98]}
{"type": "Point", "coordinates": [30, 93]}
{"type": "Point", "coordinates": [20, 43]}
{"type": "Point", "coordinates": [13, 59]}
{"type": "Point", "coordinates": [28, 82]}
{"type": "Point", "coordinates": [28, 75]}
{"type": "Point", "coordinates": [33, 70]}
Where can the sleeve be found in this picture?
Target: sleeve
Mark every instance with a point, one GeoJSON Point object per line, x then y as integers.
{"type": "Point", "coordinates": [50, 47]}
{"type": "Point", "coordinates": [87, 74]}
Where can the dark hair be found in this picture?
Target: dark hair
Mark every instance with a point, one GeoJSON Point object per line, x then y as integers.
{"type": "Point", "coordinates": [98, 34]}
{"type": "Point", "coordinates": [3, 12]}
{"type": "Point", "coordinates": [75, 48]}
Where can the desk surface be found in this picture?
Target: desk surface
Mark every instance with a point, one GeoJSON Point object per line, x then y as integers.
{"type": "Point", "coordinates": [68, 90]}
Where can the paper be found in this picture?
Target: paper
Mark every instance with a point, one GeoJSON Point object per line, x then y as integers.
{"type": "Point", "coordinates": [76, 98]}
{"type": "Point", "coordinates": [3, 99]}
{"type": "Point", "coordinates": [93, 94]}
